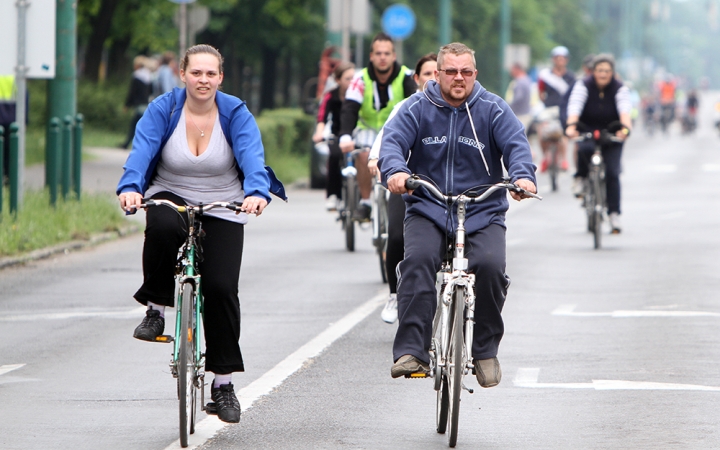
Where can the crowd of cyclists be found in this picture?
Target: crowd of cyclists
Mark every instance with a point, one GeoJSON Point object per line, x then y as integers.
{"type": "Point", "coordinates": [196, 144]}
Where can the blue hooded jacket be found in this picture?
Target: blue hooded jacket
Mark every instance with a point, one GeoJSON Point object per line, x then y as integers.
{"type": "Point", "coordinates": [238, 124]}
{"type": "Point", "coordinates": [432, 139]}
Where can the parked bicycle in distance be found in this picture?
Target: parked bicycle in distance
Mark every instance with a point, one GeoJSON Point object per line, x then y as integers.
{"type": "Point", "coordinates": [188, 359]}
{"type": "Point", "coordinates": [594, 188]}
{"type": "Point", "coordinates": [453, 324]}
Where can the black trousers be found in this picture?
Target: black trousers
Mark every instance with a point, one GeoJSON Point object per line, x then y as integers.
{"type": "Point", "coordinates": [612, 155]}
{"type": "Point", "coordinates": [425, 246]}
{"type": "Point", "coordinates": [334, 175]}
{"type": "Point", "coordinates": [396, 243]}
{"type": "Point", "coordinates": [219, 269]}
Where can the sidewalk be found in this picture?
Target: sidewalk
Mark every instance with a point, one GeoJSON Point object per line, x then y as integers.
{"type": "Point", "coordinates": [100, 172]}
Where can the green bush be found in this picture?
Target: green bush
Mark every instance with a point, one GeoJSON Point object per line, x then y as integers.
{"type": "Point", "coordinates": [102, 105]}
{"type": "Point", "coordinates": [287, 138]}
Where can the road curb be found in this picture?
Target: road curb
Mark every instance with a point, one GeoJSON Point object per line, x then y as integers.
{"type": "Point", "coordinates": [66, 247]}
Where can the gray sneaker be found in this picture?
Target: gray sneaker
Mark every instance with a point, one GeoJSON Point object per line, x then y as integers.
{"type": "Point", "coordinates": [615, 223]}
{"type": "Point", "coordinates": [407, 365]}
{"type": "Point", "coordinates": [488, 372]}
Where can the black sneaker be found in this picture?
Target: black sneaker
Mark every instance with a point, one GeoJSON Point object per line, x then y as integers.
{"type": "Point", "coordinates": [151, 327]}
{"type": "Point", "coordinates": [362, 213]}
{"type": "Point", "coordinates": [225, 403]}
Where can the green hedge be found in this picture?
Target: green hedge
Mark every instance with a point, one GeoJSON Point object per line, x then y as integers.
{"type": "Point", "coordinates": [287, 138]}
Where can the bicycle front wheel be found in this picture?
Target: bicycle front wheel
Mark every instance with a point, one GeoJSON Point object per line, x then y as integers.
{"type": "Point", "coordinates": [186, 365]}
{"type": "Point", "coordinates": [455, 364]}
{"type": "Point", "coordinates": [351, 203]}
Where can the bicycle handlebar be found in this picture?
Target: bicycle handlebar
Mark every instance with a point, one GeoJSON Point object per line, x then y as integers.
{"type": "Point", "coordinates": [414, 182]}
{"type": "Point", "coordinates": [232, 206]}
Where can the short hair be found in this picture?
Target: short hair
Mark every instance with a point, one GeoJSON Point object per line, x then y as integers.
{"type": "Point", "coordinates": [423, 60]}
{"type": "Point", "coordinates": [199, 49]}
{"type": "Point", "coordinates": [382, 37]}
{"type": "Point", "coordinates": [519, 65]}
{"type": "Point", "coordinates": [588, 60]}
{"type": "Point", "coordinates": [604, 58]}
{"type": "Point", "coordinates": [456, 48]}
{"type": "Point", "coordinates": [341, 68]}
{"type": "Point", "coordinates": [167, 57]}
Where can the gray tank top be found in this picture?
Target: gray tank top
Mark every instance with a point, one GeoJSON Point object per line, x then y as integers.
{"type": "Point", "coordinates": [210, 177]}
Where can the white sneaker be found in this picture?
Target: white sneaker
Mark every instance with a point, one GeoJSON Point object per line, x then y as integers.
{"type": "Point", "coordinates": [615, 223]}
{"type": "Point", "coordinates": [389, 313]}
{"type": "Point", "coordinates": [578, 187]}
{"type": "Point", "coordinates": [331, 204]}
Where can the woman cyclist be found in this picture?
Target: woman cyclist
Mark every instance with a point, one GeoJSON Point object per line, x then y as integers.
{"type": "Point", "coordinates": [191, 146]}
{"type": "Point", "coordinates": [330, 110]}
{"type": "Point", "coordinates": [595, 102]}
{"type": "Point", "coordinates": [424, 71]}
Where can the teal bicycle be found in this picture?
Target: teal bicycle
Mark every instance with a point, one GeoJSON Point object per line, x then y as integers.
{"type": "Point", "coordinates": [188, 359]}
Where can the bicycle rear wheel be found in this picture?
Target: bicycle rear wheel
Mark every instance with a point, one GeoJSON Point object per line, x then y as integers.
{"type": "Point", "coordinates": [382, 236]}
{"type": "Point", "coordinates": [351, 201]}
{"type": "Point", "coordinates": [455, 364]}
{"type": "Point", "coordinates": [186, 365]}
{"type": "Point", "coordinates": [597, 211]}
{"type": "Point", "coordinates": [553, 169]}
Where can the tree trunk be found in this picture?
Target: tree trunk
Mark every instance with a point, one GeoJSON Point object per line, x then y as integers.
{"type": "Point", "coordinates": [269, 78]}
{"type": "Point", "coordinates": [100, 31]}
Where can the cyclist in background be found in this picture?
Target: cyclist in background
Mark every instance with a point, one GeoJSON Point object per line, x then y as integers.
{"type": "Point", "coordinates": [424, 71]}
{"type": "Point", "coordinates": [596, 102]}
{"type": "Point", "coordinates": [368, 103]}
{"type": "Point", "coordinates": [460, 136]}
{"type": "Point", "coordinates": [330, 110]}
{"type": "Point", "coordinates": [553, 84]}
{"type": "Point", "coordinates": [666, 89]}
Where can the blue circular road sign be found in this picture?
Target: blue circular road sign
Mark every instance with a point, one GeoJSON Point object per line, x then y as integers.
{"type": "Point", "coordinates": [398, 21]}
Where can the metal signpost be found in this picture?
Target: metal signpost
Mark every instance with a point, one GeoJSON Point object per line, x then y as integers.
{"type": "Point", "coordinates": [182, 19]}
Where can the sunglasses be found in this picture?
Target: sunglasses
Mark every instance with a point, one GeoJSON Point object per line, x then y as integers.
{"type": "Point", "coordinates": [467, 73]}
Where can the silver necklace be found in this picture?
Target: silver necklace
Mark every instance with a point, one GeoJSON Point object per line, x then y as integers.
{"type": "Point", "coordinates": [202, 132]}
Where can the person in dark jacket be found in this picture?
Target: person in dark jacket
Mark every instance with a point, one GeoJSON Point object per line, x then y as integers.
{"type": "Point", "coordinates": [138, 95]}
{"type": "Point", "coordinates": [596, 102]}
{"type": "Point", "coordinates": [459, 135]}
{"type": "Point", "coordinates": [330, 111]}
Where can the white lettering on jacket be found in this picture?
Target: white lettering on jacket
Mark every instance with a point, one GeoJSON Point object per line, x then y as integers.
{"type": "Point", "coordinates": [434, 140]}
{"type": "Point", "coordinates": [471, 142]}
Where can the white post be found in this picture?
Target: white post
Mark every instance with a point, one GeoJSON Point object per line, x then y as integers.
{"type": "Point", "coordinates": [346, 29]}
{"type": "Point", "coordinates": [20, 74]}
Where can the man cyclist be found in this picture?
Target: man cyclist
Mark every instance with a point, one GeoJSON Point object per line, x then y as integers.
{"type": "Point", "coordinates": [461, 136]}
{"type": "Point", "coordinates": [553, 85]}
{"type": "Point", "coordinates": [368, 103]}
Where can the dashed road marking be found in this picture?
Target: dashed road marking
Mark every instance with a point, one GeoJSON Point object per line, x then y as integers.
{"type": "Point", "coordinates": [9, 368]}
{"type": "Point", "coordinates": [528, 378]}
{"type": "Point", "coordinates": [663, 168]}
{"type": "Point", "coordinates": [111, 314]}
{"type": "Point", "coordinates": [711, 167]}
{"type": "Point", "coordinates": [569, 310]}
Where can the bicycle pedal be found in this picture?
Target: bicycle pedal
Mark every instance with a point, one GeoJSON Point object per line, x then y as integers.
{"type": "Point", "coordinates": [164, 338]}
{"type": "Point", "coordinates": [417, 375]}
{"type": "Point", "coordinates": [211, 408]}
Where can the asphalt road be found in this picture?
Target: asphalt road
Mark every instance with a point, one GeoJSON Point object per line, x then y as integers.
{"type": "Point", "coordinates": [610, 348]}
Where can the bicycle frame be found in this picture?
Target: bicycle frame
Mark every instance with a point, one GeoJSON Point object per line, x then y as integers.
{"type": "Point", "coordinates": [187, 272]}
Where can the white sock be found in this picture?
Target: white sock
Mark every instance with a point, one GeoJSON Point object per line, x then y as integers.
{"type": "Point", "coordinates": [160, 308]}
{"type": "Point", "coordinates": [366, 201]}
{"type": "Point", "coordinates": [222, 379]}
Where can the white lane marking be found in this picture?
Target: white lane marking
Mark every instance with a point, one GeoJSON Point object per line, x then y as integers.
{"type": "Point", "coordinates": [207, 428]}
{"type": "Point", "coordinates": [663, 168]}
{"type": "Point", "coordinates": [711, 167]}
{"type": "Point", "coordinates": [527, 378]}
{"type": "Point", "coordinates": [569, 310]}
{"type": "Point", "coordinates": [114, 314]}
{"type": "Point", "coordinates": [9, 368]}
